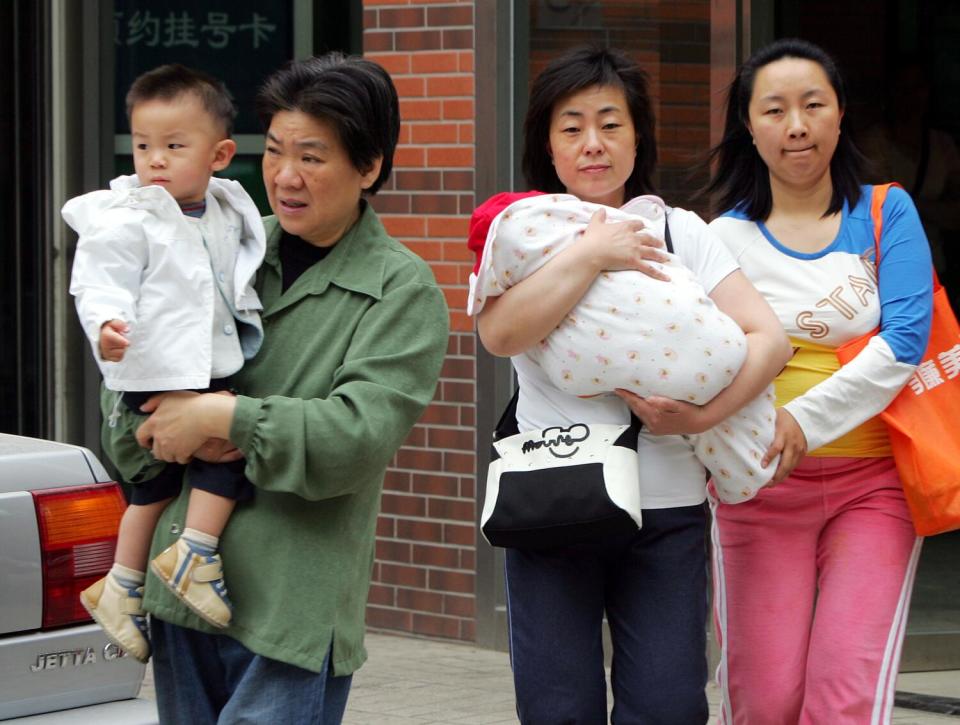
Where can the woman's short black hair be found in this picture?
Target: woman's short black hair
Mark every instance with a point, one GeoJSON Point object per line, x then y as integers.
{"type": "Point", "coordinates": [355, 95]}
{"type": "Point", "coordinates": [741, 178]}
{"type": "Point", "coordinates": [578, 69]}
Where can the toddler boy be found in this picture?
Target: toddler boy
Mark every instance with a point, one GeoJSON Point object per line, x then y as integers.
{"type": "Point", "coordinates": [163, 280]}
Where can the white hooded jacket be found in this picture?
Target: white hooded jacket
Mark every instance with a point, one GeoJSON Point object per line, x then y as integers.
{"type": "Point", "coordinates": [140, 260]}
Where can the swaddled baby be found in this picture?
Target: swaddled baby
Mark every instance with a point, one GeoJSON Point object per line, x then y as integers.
{"type": "Point", "coordinates": [634, 332]}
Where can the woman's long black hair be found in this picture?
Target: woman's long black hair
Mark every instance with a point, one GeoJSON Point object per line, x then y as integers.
{"type": "Point", "coordinates": [741, 179]}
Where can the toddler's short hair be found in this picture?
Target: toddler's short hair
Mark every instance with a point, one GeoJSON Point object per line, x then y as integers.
{"type": "Point", "coordinates": [166, 82]}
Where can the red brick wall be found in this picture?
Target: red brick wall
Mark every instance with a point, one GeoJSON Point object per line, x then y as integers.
{"type": "Point", "coordinates": [423, 577]}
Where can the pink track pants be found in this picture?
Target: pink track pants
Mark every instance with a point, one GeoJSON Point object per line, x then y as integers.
{"type": "Point", "coordinates": [812, 583]}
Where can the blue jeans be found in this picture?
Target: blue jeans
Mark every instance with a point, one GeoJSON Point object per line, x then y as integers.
{"type": "Point", "coordinates": [211, 678]}
{"type": "Point", "coordinates": [652, 585]}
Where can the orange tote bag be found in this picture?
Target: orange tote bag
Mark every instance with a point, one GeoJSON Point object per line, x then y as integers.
{"type": "Point", "coordinates": [922, 419]}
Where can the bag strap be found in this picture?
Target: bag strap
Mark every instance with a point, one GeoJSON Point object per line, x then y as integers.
{"type": "Point", "coordinates": [876, 214]}
{"type": "Point", "coordinates": [507, 425]}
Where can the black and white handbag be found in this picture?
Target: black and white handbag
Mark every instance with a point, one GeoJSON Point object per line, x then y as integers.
{"type": "Point", "coordinates": [560, 486]}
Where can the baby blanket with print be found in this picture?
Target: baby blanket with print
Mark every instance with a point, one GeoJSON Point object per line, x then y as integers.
{"type": "Point", "coordinates": [634, 332]}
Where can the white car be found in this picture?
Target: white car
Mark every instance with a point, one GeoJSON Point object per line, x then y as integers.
{"type": "Point", "coordinates": [59, 513]}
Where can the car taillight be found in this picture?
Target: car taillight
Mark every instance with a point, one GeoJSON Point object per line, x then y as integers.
{"type": "Point", "coordinates": [78, 537]}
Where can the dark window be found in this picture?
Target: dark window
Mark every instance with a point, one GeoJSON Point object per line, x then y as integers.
{"type": "Point", "coordinates": [24, 259]}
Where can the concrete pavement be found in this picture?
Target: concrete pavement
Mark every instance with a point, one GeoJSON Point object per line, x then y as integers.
{"type": "Point", "coordinates": [411, 681]}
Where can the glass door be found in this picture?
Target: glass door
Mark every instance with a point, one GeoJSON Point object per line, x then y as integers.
{"type": "Point", "coordinates": [24, 255]}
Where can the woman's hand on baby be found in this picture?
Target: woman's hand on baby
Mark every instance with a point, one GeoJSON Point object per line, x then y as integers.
{"type": "Point", "coordinates": [113, 341]}
{"type": "Point", "coordinates": [789, 441]}
{"type": "Point", "coordinates": [665, 416]}
{"type": "Point", "coordinates": [622, 245]}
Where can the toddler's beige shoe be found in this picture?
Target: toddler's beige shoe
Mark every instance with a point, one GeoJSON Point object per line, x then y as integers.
{"type": "Point", "coordinates": [196, 579]}
{"type": "Point", "coordinates": [119, 611]}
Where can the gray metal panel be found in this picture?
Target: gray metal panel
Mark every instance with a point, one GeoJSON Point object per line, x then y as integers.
{"type": "Point", "coordinates": [138, 711]}
{"type": "Point", "coordinates": [302, 33]}
{"type": "Point", "coordinates": [21, 596]}
{"type": "Point", "coordinates": [31, 463]}
{"type": "Point", "coordinates": [95, 76]}
{"type": "Point", "coordinates": [61, 669]}
{"type": "Point", "coordinates": [496, 34]}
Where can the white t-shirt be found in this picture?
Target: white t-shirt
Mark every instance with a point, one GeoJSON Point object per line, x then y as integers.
{"type": "Point", "coordinates": [670, 474]}
{"type": "Point", "coordinates": [827, 298]}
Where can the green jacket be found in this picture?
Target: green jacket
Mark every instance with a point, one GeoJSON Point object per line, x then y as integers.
{"type": "Point", "coordinates": [351, 356]}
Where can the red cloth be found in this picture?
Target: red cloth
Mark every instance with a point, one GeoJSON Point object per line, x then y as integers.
{"type": "Point", "coordinates": [483, 217]}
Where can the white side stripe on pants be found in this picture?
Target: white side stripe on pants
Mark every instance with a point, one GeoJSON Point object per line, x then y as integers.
{"type": "Point", "coordinates": [886, 682]}
{"type": "Point", "coordinates": [720, 612]}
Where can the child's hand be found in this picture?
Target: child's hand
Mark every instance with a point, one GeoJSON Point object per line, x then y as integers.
{"type": "Point", "coordinates": [113, 342]}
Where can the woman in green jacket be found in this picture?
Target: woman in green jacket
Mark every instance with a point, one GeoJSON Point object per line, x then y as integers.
{"type": "Point", "coordinates": [355, 333]}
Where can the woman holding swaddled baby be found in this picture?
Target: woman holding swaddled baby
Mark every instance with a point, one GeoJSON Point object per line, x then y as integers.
{"type": "Point", "coordinates": [589, 133]}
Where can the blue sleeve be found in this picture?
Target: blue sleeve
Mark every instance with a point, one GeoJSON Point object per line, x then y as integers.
{"type": "Point", "coordinates": [905, 279]}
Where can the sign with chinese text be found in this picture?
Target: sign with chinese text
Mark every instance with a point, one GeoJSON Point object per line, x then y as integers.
{"type": "Point", "coordinates": [240, 42]}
